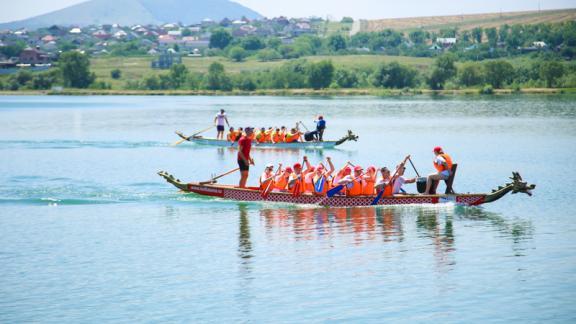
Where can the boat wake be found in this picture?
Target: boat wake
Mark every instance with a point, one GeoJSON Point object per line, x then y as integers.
{"type": "Point", "coordinates": [74, 144]}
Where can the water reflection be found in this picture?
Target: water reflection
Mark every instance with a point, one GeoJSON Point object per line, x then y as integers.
{"type": "Point", "coordinates": [391, 224]}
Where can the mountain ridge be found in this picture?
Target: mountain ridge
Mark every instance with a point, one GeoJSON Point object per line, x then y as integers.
{"type": "Point", "coordinates": [131, 12]}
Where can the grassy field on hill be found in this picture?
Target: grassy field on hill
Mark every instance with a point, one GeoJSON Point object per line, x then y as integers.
{"type": "Point", "coordinates": [467, 22]}
{"type": "Point", "coordinates": [135, 68]}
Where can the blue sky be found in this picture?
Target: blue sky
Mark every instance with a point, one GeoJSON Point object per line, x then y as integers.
{"type": "Point", "coordinates": [368, 9]}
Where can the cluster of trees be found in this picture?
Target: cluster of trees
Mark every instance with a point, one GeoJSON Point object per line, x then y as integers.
{"type": "Point", "coordinates": [476, 44]}
{"type": "Point", "coordinates": [301, 74]}
{"type": "Point", "coordinates": [72, 71]}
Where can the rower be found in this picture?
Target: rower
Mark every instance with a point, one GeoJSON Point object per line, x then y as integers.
{"type": "Point", "coordinates": [400, 179]}
{"type": "Point", "coordinates": [281, 181]}
{"type": "Point", "coordinates": [353, 183]}
{"type": "Point", "coordinates": [443, 164]}
{"type": "Point", "coordinates": [275, 137]}
{"type": "Point", "coordinates": [369, 181]}
{"type": "Point", "coordinates": [321, 176]}
{"type": "Point", "coordinates": [231, 137]}
{"type": "Point", "coordinates": [293, 136]}
{"type": "Point", "coordinates": [267, 176]}
{"type": "Point", "coordinates": [261, 135]}
{"type": "Point", "coordinates": [383, 179]}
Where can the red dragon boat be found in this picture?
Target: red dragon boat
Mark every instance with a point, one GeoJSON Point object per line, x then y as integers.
{"type": "Point", "coordinates": [209, 188]}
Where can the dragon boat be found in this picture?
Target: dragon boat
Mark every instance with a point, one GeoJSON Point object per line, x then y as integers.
{"type": "Point", "coordinates": [210, 188]}
{"type": "Point", "coordinates": [294, 145]}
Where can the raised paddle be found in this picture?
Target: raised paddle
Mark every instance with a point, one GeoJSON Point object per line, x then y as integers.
{"type": "Point", "coordinates": [418, 174]}
{"type": "Point", "coordinates": [191, 136]}
{"type": "Point", "coordinates": [218, 177]}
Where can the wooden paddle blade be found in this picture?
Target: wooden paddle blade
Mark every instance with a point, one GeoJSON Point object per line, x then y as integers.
{"type": "Point", "coordinates": [178, 142]}
{"type": "Point", "coordinates": [377, 199]}
{"type": "Point", "coordinates": [334, 190]}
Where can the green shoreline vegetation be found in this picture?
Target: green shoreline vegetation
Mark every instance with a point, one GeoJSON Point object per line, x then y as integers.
{"type": "Point", "coordinates": [511, 59]}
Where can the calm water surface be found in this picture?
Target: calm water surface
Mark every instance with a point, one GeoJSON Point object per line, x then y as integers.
{"type": "Point", "coordinates": [90, 233]}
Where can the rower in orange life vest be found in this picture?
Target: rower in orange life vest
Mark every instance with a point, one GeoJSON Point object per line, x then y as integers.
{"type": "Point", "coordinates": [261, 135]}
{"type": "Point", "coordinates": [443, 164]}
{"type": "Point", "coordinates": [231, 137]}
{"type": "Point", "coordinates": [293, 136]}
{"type": "Point", "coordinates": [282, 134]}
{"type": "Point", "coordinates": [296, 180]}
{"type": "Point", "coordinates": [281, 180]}
{"type": "Point", "coordinates": [266, 177]}
{"type": "Point", "coordinates": [369, 181]}
{"type": "Point", "coordinates": [353, 183]}
{"type": "Point", "coordinates": [320, 178]}
{"type": "Point", "coordinates": [275, 136]}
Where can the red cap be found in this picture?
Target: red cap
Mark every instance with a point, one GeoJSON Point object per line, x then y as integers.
{"type": "Point", "coordinates": [373, 168]}
{"type": "Point", "coordinates": [288, 169]}
{"type": "Point", "coordinates": [297, 166]}
{"type": "Point", "coordinates": [437, 149]}
{"type": "Point", "coordinates": [346, 171]}
{"type": "Point", "coordinates": [312, 168]}
{"type": "Point", "coordinates": [358, 168]}
{"type": "Point", "coordinates": [320, 167]}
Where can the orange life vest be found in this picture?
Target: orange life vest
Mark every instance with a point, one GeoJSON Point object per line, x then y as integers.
{"type": "Point", "coordinates": [368, 186]}
{"type": "Point", "coordinates": [264, 185]}
{"type": "Point", "coordinates": [442, 167]}
{"type": "Point", "coordinates": [261, 137]}
{"type": "Point", "coordinates": [356, 189]}
{"type": "Point", "coordinates": [298, 182]}
{"type": "Point", "coordinates": [290, 138]}
{"type": "Point", "coordinates": [282, 137]}
{"type": "Point", "coordinates": [309, 182]}
{"type": "Point", "coordinates": [281, 182]}
{"type": "Point", "coordinates": [275, 137]}
{"type": "Point", "coordinates": [231, 136]}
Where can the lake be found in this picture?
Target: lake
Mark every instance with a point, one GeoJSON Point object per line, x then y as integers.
{"type": "Point", "coordinates": [90, 233]}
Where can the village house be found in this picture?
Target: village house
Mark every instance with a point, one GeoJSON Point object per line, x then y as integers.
{"type": "Point", "coordinates": [446, 42]}
{"type": "Point", "coordinates": [33, 56]}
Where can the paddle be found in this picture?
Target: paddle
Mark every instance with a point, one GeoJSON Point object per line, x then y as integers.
{"type": "Point", "coordinates": [306, 128]}
{"type": "Point", "coordinates": [189, 137]}
{"type": "Point", "coordinates": [418, 174]}
{"type": "Point", "coordinates": [335, 190]}
{"type": "Point", "coordinates": [218, 177]}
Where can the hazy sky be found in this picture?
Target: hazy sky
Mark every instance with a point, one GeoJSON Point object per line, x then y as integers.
{"type": "Point", "coordinates": [370, 9]}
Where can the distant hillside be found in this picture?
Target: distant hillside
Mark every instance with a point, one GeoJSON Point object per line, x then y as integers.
{"type": "Point", "coordinates": [467, 22]}
{"type": "Point", "coordinates": [130, 12]}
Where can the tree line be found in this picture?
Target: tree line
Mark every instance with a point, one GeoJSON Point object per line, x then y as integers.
{"type": "Point", "coordinates": [73, 71]}
{"type": "Point", "coordinates": [302, 74]}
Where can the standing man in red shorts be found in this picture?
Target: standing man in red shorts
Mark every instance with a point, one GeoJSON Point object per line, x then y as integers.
{"type": "Point", "coordinates": [244, 159]}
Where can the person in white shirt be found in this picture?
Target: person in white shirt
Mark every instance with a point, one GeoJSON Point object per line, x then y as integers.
{"type": "Point", "coordinates": [219, 121]}
{"type": "Point", "coordinates": [400, 180]}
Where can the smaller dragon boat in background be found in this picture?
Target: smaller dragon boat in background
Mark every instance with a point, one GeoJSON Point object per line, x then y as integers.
{"type": "Point", "coordinates": [209, 188]}
{"type": "Point", "coordinates": [294, 145]}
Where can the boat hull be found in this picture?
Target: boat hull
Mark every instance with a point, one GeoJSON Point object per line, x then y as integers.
{"type": "Point", "coordinates": [297, 145]}
{"type": "Point", "coordinates": [252, 194]}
